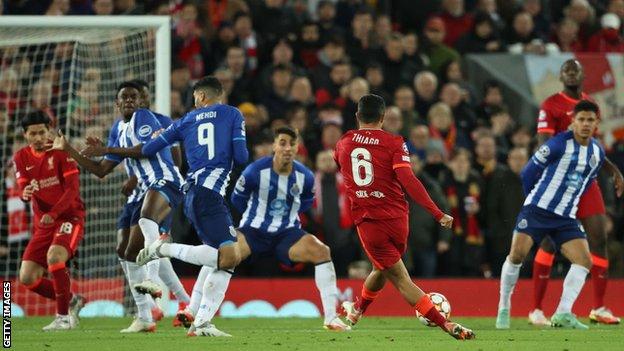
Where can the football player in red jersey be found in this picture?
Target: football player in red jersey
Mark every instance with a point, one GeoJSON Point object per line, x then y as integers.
{"type": "Point", "coordinates": [375, 164]}
{"type": "Point", "coordinates": [555, 116]}
{"type": "Point", "coordinates": [50, 179]}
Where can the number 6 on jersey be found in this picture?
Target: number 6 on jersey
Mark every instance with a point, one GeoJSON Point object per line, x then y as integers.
{"type": "Point", "coordinates": [361, 158]}
{"type": "Point", "coordinates": [205, 136]}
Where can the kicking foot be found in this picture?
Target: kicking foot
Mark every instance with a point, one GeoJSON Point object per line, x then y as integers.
{"type": "Point", "coordinates": [76, 304]}
{"type": "Point", "coordinates": [208, 329]}
{"type": "Point", "coordinates": [149, 287]}
{"type": "Point", "coordinates": [184, 318]}
{"type": "Point", "coordinates": [603, 315]}
{"type": "Point", "coordinates": [458, 331]}
{"type": "Point", "coordinates": [150, 252]}
{"type": "Point", "coordinates": [566, 320]}
{"type": "Point", "coordinates": [537, 317]}
{"type": "Point", "coordinates": [337, 324]}
{"type": "Point", "coordinates": [59, 323]}
{"type": "Point", "coordinates": [140, 326]}
{"type": "Point", "coordinates": [157, 314]}
{"type": "Point", "coordinates": [502, 319]}
{"type": "Point", "coordinates": [352, 314]}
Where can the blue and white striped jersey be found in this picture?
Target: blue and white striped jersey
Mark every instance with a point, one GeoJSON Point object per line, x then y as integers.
{"type": "Point", "coordinates": [272, 202]}
{"type": "Point", "coordinates": [139, 191]}
{"type": "Point", "coordinates": [568, 167]}
{"type": "Point", "coordinates": [139, 130]}
{"type": "Point", "coordinates": [213, 137]}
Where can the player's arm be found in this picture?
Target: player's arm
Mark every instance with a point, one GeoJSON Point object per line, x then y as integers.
{"type": "Point", "coordinates": [168, 137]}
{"type": "Point", "coordinates": [545, 124]}
{"type": "Point", "coordinates": [100, 169]}
{"type": "Point", "coordinates": [24, 184]}
{"type": "Point", "coordinates": [176, 153]}
{"type": "Point", "coordinates": [618, 179]}
{"type": "Point", "coordinates": [245, 186]}
{"type": "Point", "coordinates": [546, 154]}
{"type": "Point", "coordinates": [307, 195]}
{"type": "Point", "coordinates": [240, 153]}
{"type": "Point", "coordinates": [71, 178]}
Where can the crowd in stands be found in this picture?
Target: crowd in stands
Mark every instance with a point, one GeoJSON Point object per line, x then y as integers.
{"type": "Point", "coordinates": [306, 64]}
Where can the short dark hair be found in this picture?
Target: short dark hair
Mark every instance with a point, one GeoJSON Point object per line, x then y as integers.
{"type": "Point", "coordinates": [35, 117]}
{"type": "Point", "coordinates": [290, 131]}
{"type": "Point", "coordinates": [142, 83]}
{"type": "Point", "coordinates": [209, 83]}
{"type": "Point", "coordinates": [586, 105]}
{"type": "Point", "coordinates": [371, 108]}
{"type": "Point", "coordinates": [128, 84]}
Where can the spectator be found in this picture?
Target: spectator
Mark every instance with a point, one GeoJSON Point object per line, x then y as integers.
{"type": "Point", "coordinates": [453, 73]}
{"type": "Point", "coordinates": [566, 36]}
{"type": "Point", "coordinates": [383, 30]}
{"type": "Point", "coordinates": [332, 212]}
{"type": "Point", "coordinates": [340, 73]}
{"type": "Point", "coordinates": [522, 36]}
{"type": "Point", "coordinates": [297, 117]}
{"type": "Point", "coordinates": [375, 77]}
{"type": "Point", "coordinates": [248, 39]}
{"type": "Point", "coordinates": [301, 93]}
{"type": "Point", "coordinates": [355, 89]}
{"type": "Point", "coordinates": [608, 39]}
{"type": "Point", "coordinates": [434, 48]}
{"type": "Point", "coordinates": [442, 127]}
{"type": "Point", "coordinates": [492, 97]}
{"type": "Point", "coordinates": [188, 43]}
{"type": "Point", "coordinates": [275, 20]}
{"type": "Point", "coordinates": [436, 159]}
{"type": "Point", "coordinates": [456, 21]}
{"type": "Point", "coordinates": [502, 127]}
{"type": "Point", "coordinates": [482, 38]}
{"type": "Point", "coordinates": [181, 81]}
{"type": "Point", "coordinates": [581, 12]}
{"type": "Point", "coordinates": [326, 12]}
{"type": "Point", "coordinates": [281, 54]}
{"type": "Point", "coordinates": [426, 238]}
{"type": "Point", "coordinates": [462, 188]}
{"type": "Point", "coordinates": [333, 51]}
{"type": "Point", "coordinates": [360, 45]}
{"type": "Point", "coordinates": [128, 7]}
{"type": "Point", "coordinates": [330, 134]}
{"type": "Point", "coordinates": [59, 8]}
{"type": "Point", "coordinates": [397, 68]}
{"type": "Point", "coordinates": [503, 208]}
{"type": "Point", "coordinates": [465, 118]}
{"type": "Point", "coordinates": [419, 141]}
{"type": "Point", "coordinates": [411, 49]}
{"type": "Point", "coordinates": [102, 7]}
{"type": "Point", "coordinates": [235, 62]}
{"type": "Point", "coordinates": [404, 100]}
{"type": "Point", "coordinates": [490, 7]}
{"type": "Point", "coordinates": [393, 122]}
{"type": "Point", "coordinates": [541, 23]}
{"type": "Point", "coordinates": [226, 78]}
{"type": "Point", "coordinates": [617, 7]}
{"type": "Point", "coordinates": [309, 45]}
{"type": "Point", "coordinates": [426, 88]}
{"type": "Point", "coordinates": [276, 99]}
{"type": "Point", "coordinates": [522, 138]}
{"type": "Point", "coordinates": [224, 38]}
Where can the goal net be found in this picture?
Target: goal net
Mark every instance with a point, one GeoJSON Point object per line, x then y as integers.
{"type": "Point", "coordinates": [70, 67]}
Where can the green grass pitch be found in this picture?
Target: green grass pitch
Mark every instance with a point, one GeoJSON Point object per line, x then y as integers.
{"type": "Point", "coordinates": [290, 334]}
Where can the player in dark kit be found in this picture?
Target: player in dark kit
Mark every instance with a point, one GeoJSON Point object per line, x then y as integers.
{"type": "Point", "coordinates": [50, 179]}
{"type": "Point", "coordinates": [555, 116]}
{"type": "Point", "coordinates": [375, 164]}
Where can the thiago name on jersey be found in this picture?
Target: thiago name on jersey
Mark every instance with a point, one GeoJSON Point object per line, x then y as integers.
{"type": "Point", "coordinates": [364, 139]}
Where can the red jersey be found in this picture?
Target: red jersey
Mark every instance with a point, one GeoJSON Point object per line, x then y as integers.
{"type": "Point", "coordinates": [49, 171]}
{"type": "Point", "coordinates": [367, 159]}
{"type": "Point", "coordinates": [556, 113]}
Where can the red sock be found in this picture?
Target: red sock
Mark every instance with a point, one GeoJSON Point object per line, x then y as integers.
{"type": "Point", "coordinates": [44, 287]}
{"type": "Point", "coordinates": [599, 272]}
{"type": "Point", "coordinates": [425, 307]}
{"type": "Point", "coordinates": [541, 273]}
{"type": "Point", "coordinates": [61, 285]}
{"type": "Point", "coordinates": [366, 299]}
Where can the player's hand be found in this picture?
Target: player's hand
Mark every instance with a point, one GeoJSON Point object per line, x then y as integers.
{"type": "Point", "coordinates": [59, 143]}
{"type": "Point", "coordinates": [29, 190]}
{"type": "Point", "coordinates": [94, 148]}
{"type": "Point", "coordinates": [443, 246]}
{"type": "Point", "coordinates": [618, 182]}
{"type": "Point", "coordinates": [129, 186]}
{"type": "Point", "coordinates": [446, 221]}
{"type": "Point", "coordinates": [46, 220]}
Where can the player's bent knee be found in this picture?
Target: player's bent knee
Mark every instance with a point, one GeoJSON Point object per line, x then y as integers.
{"type": "Point", "coordinates": [516, 257]}
{"type": "Point", "coordinates": [229, 260]}
{"type": "Point", "coordinates": [27, 278]}
{"type": "Point", "coordinates": [321, 253]}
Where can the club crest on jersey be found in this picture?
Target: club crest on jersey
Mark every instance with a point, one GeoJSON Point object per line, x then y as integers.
{"type": "Point", "coordinates": [593, 161]}
{"type": "Point", "coordinates": [523, 224]}
{"type": "Point", "coordinates": [542, 153]}
{"type": "Point", "coordinates": [50, 163]}
{"type": "Point", "coordinates": [295, 191]}
{"type": "Point", "coordinates": [145, 131]}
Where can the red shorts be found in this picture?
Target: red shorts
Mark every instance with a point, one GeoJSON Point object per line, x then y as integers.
{"type": "Point", "coordinates": [384, 241]}
{"type": "Point", "coordinates": [591, 202]}
{"type": "Point", "coordinates": [66, 233]}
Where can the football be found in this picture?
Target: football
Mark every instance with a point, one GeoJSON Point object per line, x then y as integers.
{"type": "Point", "coordinates": [441, 304]}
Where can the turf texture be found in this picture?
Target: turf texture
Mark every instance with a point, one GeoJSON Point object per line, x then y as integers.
{"type": "Point", "coordinates": [289, 334]}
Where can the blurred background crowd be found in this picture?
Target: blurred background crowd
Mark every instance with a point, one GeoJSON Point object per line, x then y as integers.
{"type": "Point", "coordinates": [306, 64]}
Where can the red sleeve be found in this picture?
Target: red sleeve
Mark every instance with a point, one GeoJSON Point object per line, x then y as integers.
{"type": "Point", "coordinates": [546, 122]}
{"type": "Point", "coordinates": [72, 185]}
{"type": "Point", "coordinates": [20, 174]}
{"type": "Point", "coordinates": [417, 191]}
{"type": "Point", "coordinates": [400, 158]}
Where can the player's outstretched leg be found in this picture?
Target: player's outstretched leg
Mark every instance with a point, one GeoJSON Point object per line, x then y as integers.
{"type": "Point", "coordinates": [186, 316]}
{"type": "Point", "coordinates": [213, 292]}
{"type": "Point", "coordinates": [542, 266]}
{"type": "Point", "coordinates": [57, 256]}
{"type": "Point", "coordinates": [171, 280]}
{"type": "Point", "coordinates": [595, 227]}
{"type": "Point", "coordinates": [370, 289]}
{"type": "Point", "coordinates": [577, 251]}
{"type": "Point", "coordinates": [398, 276]}
{"type": "Point", "coordinates": [520, 246]}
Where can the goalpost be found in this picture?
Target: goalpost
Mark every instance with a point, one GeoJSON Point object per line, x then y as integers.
{"type": "Point", "coordinates": [70, 67]}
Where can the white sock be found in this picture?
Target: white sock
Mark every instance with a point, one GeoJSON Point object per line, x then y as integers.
{"type": "Point", "coordinates": [325, 278]}
{"type": "Point", "coordinates": [212, 296]}
{"type": "Point", "coordinates": [509, 277]}
{"type": "Point", "coordinates": [201, 255]}
{"type": "Point", "coordinates": [198, 287]}
{"type": "Point", "coordinates": [136, 274]}
{"type": "Point", "coordinates": [572, 285]}
{"type": "Point", "coordinates": [124, 266]}
{"type": "Point", "coordinates": [171, 280]}
{"type": "Point", "coordinates": [151, 232]}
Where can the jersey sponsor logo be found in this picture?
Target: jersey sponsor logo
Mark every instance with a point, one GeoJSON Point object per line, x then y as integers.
{"type": "Point", "coordinates": [523, 224]}
{"type": "Point", "coordinates": [593, 161]}
{"type": "Point", "coordinates": [574, 180]}
{"type": "Point", "coordinates": [48, 182]}
{"type": "Point", "coordinates": [145, 131]}
{"type": "Point", "coordinates": [377, 194]}
{"type": "Point", "coordinates": [278, 207]}
{"type": "Point", "coordinates": [240, 185]}
{"type": "Point", "coordinates": [28, 168]}
{"type": "Point", "coordinates": [295, 191]}
{"type": "Point", "coordinates": [542, 153]}
{"type": "Point", "coordinates": [362, 194]}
